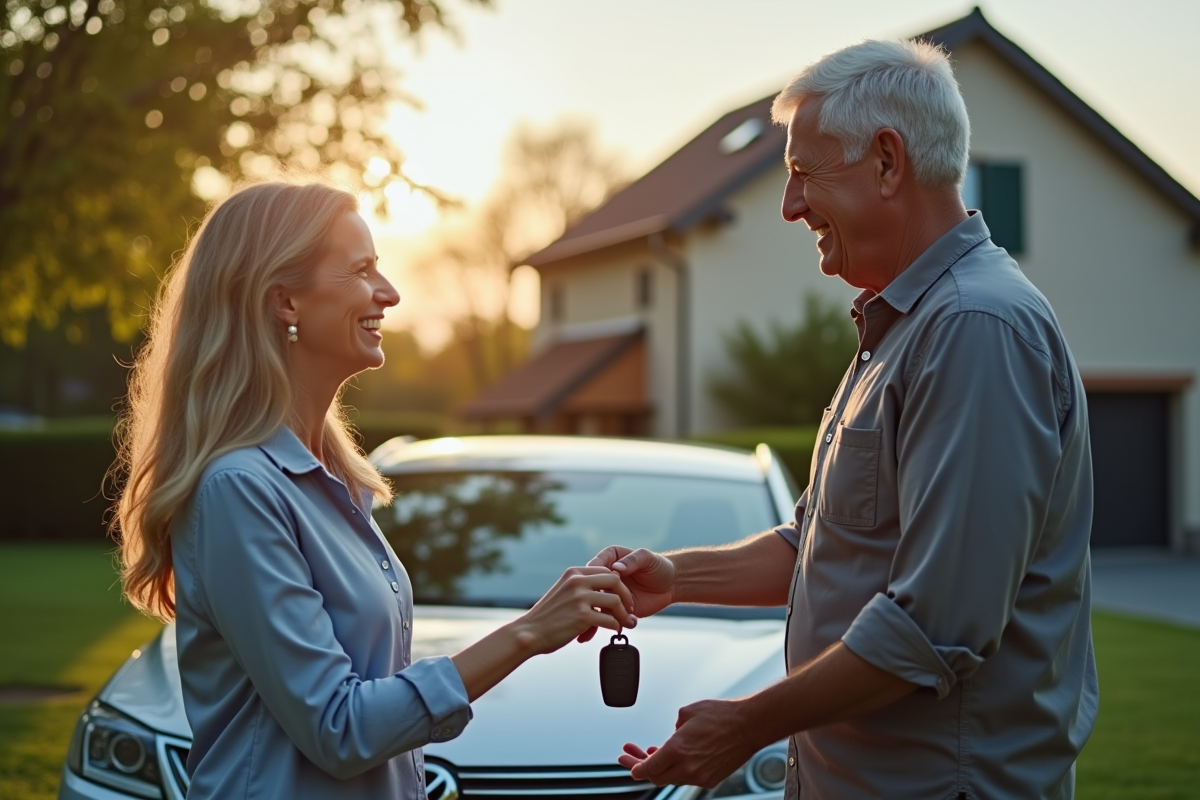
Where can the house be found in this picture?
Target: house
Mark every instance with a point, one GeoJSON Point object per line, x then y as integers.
{"type": "Point", "coordinates": [637, 295]}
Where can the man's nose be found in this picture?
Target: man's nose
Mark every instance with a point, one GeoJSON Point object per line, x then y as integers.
{"type": "Point", "coordinates": [793, 207]}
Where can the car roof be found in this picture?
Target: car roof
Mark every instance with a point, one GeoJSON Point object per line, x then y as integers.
{"type": "Point", "coordinates": [566, 453]}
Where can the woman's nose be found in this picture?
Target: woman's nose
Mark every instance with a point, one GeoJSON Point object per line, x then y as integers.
{"type": "Point", "coordinates": [386, 293]}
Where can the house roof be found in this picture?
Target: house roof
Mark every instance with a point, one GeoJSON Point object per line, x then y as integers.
{"type": "Point", "coordinates": [540, 385]}
{"type": "Point", "coordinates": [691, 186]}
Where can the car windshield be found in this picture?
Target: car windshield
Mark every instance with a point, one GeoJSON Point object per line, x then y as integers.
{"type": "Point", "coordinates": [502, 538]}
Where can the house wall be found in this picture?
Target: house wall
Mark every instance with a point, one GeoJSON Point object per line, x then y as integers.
{"type": "Point", "coordinates": [1104, 246]}
{"type": "Point", "coordinates": [603, 286]}
{"type": "Point", "coordinates": [755, 268]}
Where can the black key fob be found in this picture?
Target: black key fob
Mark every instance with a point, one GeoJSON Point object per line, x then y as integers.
{"type": "Point", "coordinates": [619, 666]}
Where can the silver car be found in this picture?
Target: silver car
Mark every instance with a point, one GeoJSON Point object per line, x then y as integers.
{"type": "Point", "coordinates": [484, 525]}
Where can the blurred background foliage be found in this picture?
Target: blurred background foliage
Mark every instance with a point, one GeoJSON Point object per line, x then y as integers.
{"type": "Point", "coordinates": [120, 118]}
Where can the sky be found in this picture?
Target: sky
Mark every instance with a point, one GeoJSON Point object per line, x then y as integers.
{"type": "Point", "coordinates": [651, 74]}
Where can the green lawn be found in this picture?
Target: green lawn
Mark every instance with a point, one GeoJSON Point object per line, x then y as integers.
{"type": "Point", "coordinates": [63, 624]}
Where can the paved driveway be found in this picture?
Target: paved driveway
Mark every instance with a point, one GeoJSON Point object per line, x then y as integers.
{"type": "Point", "coordinates": [1148, 583]}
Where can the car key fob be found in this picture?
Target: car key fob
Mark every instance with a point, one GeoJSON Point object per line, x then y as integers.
{"type": "Point", "coordinates": [619, 666]}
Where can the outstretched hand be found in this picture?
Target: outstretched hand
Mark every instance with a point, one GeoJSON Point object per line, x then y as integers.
{"type": "Point", "coordinates": [648, 576]}
{"type": "Point", "coordinates": [707, 747]}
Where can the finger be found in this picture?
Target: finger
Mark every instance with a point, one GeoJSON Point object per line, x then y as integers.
{"type": "Point", "coordinates": [637, 752]}
{"type": "Point", "coordinates": [615, 606]}
{"type": "Point", "coordinates": [610, 581]}
{"type": "Point", "coordinates": [586, 636]}
{"type": "Point", "coordinates": [607, 556]}
{"type": "Point", "coordinates": [651, 750]}
{"type": "Point", "coordinates": [655, 764]}
{"type": "Point", "coordinates": [628, 762]}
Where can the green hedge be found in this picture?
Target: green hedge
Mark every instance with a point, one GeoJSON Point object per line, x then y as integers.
{"type": "Point", "coordinates": [793, 444]}
{"type": "Point", "coordinates": [51, 478]}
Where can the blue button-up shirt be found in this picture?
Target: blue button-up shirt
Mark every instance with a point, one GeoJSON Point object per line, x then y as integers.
{"type": "Point", "coordinates": [944, 539]}
{"type": "Point", "coordinates": [294, 626]}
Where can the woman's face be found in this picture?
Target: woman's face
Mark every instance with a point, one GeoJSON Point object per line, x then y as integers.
{"type": "Point", "coordinates": [338, 315]}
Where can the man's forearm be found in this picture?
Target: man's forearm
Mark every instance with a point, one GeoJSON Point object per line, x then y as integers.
{"type": "Point", "coordinates": [835, 686]}
{"type": "Point", "coordinates": [757, 571]}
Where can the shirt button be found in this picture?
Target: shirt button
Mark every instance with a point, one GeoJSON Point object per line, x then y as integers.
{"type": "Point", "coordinates": [791, 761]}
{"type": "Point", "coordinates": [405, 624]}
{"type": "Point", "coordinates": [385, 564]}
{"type": "Point", "coordinates": [828, 438]}
{"type": "Point", "coordinates": [866, 355]}
{"type": "Point", "coordinates": [395, 587]}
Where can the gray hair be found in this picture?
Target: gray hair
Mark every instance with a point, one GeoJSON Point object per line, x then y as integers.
{"type": "Point", "coordinates": [905, 85]}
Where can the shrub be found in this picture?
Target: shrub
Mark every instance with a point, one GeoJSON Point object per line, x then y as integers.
{"type": "Point", "coordinates": [789, 376]}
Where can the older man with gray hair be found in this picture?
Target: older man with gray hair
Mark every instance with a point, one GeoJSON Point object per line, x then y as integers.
{"type": "Point", "coordinates": [936, 575]}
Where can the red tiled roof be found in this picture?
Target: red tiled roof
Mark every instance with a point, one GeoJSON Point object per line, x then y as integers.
{"type": "Point", "coordinates": [691, 185]}
{"type": "Point", "coordinates": [537, 387]}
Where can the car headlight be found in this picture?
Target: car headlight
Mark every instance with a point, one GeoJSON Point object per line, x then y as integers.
{"type": "Point", "coordinates": [764, 774]}
{"type": "Point", "coordinates": [111, 749]}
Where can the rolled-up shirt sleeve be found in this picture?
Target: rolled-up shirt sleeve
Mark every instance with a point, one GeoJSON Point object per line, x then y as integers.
{"type": "Point", "coordinates": [977, 448]}
{"type": "Point", "coordinates": [258, 593]}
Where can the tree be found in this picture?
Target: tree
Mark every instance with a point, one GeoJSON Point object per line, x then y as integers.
{"type": "Point", "coordinates": [549, 180]}
{"type": "Point", "coordinates": [116, 114]}
{"type": "Point", "coordinates": [788, 376]}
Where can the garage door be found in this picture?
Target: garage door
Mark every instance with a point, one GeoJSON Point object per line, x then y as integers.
{"type": "Point", "coordinates": [1130, 468]}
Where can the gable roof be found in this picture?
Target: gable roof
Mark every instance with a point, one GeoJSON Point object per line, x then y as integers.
{"type": "Point", "coordinates": [691, 186]}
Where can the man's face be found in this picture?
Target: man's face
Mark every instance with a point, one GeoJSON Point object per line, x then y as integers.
{"type": "Point", "coordinates": [831, 197]}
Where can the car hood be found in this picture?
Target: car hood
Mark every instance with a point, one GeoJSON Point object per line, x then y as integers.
{"type": "Point", "coordinates": [547, 713]}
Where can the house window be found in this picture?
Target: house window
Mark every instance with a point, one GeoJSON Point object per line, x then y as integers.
{"type": "Point", "coordinates": [996, 189]}
{"type": "Point", "coordinates": [644, 288]}
{"type": "Point", "coordinates": [558, 303]}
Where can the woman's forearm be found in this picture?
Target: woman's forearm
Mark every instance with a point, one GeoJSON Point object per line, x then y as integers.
{"type": "Point", "coordinates": [487, 662]}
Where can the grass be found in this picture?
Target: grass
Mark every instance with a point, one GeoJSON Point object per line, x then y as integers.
{"type": "Point", "coordinates": [63, 624]}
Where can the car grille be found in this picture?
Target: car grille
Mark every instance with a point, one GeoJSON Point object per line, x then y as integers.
{"type": "Point", "coordinates": [173, 755]}
{"type": "Point", "coordinates": [605, 782]}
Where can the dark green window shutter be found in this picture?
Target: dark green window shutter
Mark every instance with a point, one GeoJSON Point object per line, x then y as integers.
{"type": "Point", "coordinates": [1000, 201]}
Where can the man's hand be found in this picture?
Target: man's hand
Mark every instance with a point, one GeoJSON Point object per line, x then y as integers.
{"type": "Point", "coordinates": [709, 744]}
{"type": "Point", "coordinates": [650, 577]}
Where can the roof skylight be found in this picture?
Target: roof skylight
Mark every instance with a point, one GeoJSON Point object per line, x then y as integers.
{"type": "Point", "coordinates": [741, 136]}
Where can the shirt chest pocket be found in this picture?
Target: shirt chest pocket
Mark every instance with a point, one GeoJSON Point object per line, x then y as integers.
{"type": "Point", "coordinates": [850, 483]}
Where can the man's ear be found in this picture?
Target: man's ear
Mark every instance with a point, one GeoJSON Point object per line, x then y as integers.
{"type": "Point", "coordinates": [891, 161]}
{"type": "Point", "coordinates": [283, 306]}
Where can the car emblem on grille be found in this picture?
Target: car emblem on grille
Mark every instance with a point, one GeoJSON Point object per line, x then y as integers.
{"type": "Point", "coordinates": [440, 783]}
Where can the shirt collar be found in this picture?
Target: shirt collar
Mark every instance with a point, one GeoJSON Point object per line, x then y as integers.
{"type": "Point", "coordinates": [288, 453]}
{"type": "Point", "coordinates": [910, 285]}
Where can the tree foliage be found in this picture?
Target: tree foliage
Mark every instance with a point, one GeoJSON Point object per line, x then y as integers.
{"type": "Point", "coordinates": [116, 114]}
{"type": "Point", "coordinates": [788, 376]}
{"type": "Point", "coordinates": [550, 179]}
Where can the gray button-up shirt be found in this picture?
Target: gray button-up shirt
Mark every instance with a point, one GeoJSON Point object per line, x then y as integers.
{"type": "Point", "coordinates": [294, 638]}
{"type": "Point", "coordinates": [944, 538]}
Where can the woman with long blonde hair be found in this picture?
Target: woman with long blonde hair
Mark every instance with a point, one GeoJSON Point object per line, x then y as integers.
{"type": "Point", "coordinates": [245, 517]}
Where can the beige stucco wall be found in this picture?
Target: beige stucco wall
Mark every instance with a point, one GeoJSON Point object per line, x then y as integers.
{"type": "Point", "coordinates": [1105, 247]}
{"type": "Point", "coordinates": [756, 268]}
{"type": "Point", "coordinates": [600, 287]}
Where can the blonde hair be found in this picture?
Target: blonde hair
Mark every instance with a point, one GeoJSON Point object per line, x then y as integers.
{"type": "Point", "coordinates": [905, 85]}
{"type": "Point", "coordinates": [212, 376]}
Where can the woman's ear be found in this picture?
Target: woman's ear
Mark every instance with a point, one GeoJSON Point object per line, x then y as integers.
{"type": "Point", "coordinates": [283, 306]}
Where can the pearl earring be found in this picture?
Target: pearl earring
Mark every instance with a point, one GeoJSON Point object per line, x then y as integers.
{"type": "Point", "coordinates": [293, 333]}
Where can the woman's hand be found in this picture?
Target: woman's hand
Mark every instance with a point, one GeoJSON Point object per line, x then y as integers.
{"type": "Point", "coordinates": [649, 576]}
{"type": "Point", "coordinates": [583, 599]}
